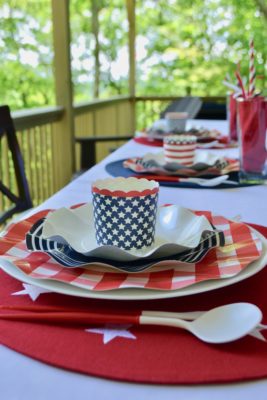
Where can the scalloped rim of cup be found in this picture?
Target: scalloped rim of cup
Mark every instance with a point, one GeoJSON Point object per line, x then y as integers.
{"type": "Point", "coordinates": [180, 139]}
{"type": "Point", "coordinates": [125, 187]}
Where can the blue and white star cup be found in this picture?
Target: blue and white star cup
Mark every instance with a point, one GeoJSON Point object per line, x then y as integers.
{"type": "Point", "coordinates": [125, 211]}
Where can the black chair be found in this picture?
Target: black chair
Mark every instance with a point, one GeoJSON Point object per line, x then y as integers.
{"type": "Point", "coordinates": [212, 110]}
{"type": "Point", "coordinates": [188, 104]}
{"type": "Point", "coordinates": [20, 198]}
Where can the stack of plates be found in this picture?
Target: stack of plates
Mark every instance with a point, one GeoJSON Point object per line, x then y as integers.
{"type": "Point", "coordinates": [193, 252]}
{"type": "Point", "coordinates": [205, 163]}
{"type": "Point", "coordinates": [68, 236]}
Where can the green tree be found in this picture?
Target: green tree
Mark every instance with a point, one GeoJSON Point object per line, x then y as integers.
{"type": "Point", "coordinates": [26, 75]}
{"type": "Point", "coordinates": [181, 44]}
{"type": "Point", "coordinates": [195, 43]}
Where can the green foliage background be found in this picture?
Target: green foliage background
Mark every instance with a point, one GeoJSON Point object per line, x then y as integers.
{"type": "Point", "coordinates": [182, 45]}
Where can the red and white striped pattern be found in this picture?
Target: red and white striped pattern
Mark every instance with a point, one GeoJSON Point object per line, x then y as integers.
{"type": "Point", "coordinates": [180, 149]}
{"type": "Point", "coordinates": [183, 154]}
{"type": "Point", "coordinates": [252, 71]}
{"type": "Point", "coordinates": [242, 247]}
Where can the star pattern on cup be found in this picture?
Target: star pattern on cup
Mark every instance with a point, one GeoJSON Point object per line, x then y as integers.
{"type": "Point", "coordinates": [126, 222]}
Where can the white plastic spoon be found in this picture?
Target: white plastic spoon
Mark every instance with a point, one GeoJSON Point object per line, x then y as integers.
{"type": "Point", "coordinates": [219, 325]}
{"type": "Point", "coordinates": [210, 144]}
{"type": "Point", "coordinates": [209, 182]}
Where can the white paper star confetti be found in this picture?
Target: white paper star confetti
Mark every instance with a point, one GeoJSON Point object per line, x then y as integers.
{"type": "Point", "coordinates": [111, 331]}
{"type": "Point", "coordinates": [32, 291]}
{"type": "Point", "coordinates": [257, 332]}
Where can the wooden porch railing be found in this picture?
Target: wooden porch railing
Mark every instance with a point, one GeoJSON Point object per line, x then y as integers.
{"type": "Point", "coordinates": [112, 117]}
{"type": "Point", "coordinates": [39, 142]}
{"type": "Point", "coordinates": [42, 140]}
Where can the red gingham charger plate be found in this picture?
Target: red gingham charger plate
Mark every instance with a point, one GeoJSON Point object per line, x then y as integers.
{"type": "Point", "coordinates": [243, 246]}
{"type": "Point", "coordinates": [219, 142]}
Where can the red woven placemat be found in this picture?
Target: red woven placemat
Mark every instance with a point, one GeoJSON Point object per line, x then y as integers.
{"type": "Point", "coordinates": [139, 354]}
{"type": "Point", "coordinates": [148, 141]}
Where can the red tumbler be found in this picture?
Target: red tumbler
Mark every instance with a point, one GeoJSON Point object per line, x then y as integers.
{"type": "Point", "coordinates": [252, 126]}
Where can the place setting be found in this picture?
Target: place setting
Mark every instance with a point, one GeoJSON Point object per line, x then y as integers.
{"type": "Point", "coordinates": [180, 164]}
{"type": "Point", "coordinates": [124, 266]}
{"type": "Point", "coordinates": [176, 123]}
{"type": "Point", "coordinates": [117, 246]}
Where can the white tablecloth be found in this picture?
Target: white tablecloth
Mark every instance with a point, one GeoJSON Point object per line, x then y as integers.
{"type": "Point", "coordinates": [24, 378]}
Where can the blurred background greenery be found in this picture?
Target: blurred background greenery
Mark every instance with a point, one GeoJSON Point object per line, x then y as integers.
{"type": "Point", "coordinates": [182, 46]}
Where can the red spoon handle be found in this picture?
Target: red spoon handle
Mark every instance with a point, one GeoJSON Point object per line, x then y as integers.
{"type": "Point", "coordinates": [73, 318]}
